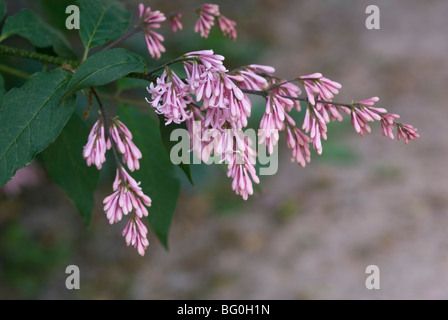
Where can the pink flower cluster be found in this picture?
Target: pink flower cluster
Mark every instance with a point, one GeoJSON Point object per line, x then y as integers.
{"type": "Point", "coordinates": [241, 166]}
{"type": "Point", "coordinates": [207, 14]}
{"type": "Point", "coordinates": [363, 112]}
{"type": "Point", "coordinates": [151, 20]}
{"type": "Point", "coordinates": [95, 150]}
{"type": "Point", "coordinates": [128, 195]}
{"type": "Point", "coordinates": [170, 97]}
{"type": "Point", "coordinates": [223, 113]}
{"type": "Point", "coordinates": [175, 22]}
{"type": "Point", "coordinates": [219, 101]}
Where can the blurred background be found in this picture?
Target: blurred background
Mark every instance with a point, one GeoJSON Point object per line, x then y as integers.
{"type": "Point", "coordinates": [308, 233]}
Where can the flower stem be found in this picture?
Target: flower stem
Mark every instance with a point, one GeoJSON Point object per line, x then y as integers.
{"type": "Point", "coordinates": [264, 93]}
{"type": "Point", "coordinates": [121, 99]}
{"type": "Point", "coordinates": [180, 59]}
{"type": "Point", "coordinates": [105, 115]}
{"type": "Point", "coordinates": [123, 37]}
{"type": "Point", "coordinates": [171, 14]}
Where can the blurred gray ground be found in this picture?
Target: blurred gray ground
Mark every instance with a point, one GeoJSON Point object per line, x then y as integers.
{"type": "Point", "coordinates": [312, 231]}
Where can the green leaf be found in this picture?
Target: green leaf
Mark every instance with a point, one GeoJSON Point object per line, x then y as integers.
{"type": "Point", "coordinates": [104, 67]}
{"type": "Point", "coordinates": [31, 27]}
{"type": "Point", "coordinates": [165, 131]}
{"type": "Point", "coordinates": [102, 21]}
{"type": "Point", "coordinates": [2, 9]}
{"type": "Point", "coordinates": [156, 173]}
{"type": "Point", "coordinates": [66, 166]}
{"type": "Point", "coordinates": [2, 90]}
{"type": "Point", "coordinates": [30, 119]}
{"type": "Point", "coordinates": [130, 83]}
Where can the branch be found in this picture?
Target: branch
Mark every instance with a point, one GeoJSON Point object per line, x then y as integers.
{"type": "Point", "coordinates": [123, 37]}
{"type": "Point", "coordinates": [171, 14]}
{"type": "Point", "coordinates": [44, 58]}
{"type": "Point", "coordinates": [180, 59]}
{"type": "Point", "coordinates": [266, 93]}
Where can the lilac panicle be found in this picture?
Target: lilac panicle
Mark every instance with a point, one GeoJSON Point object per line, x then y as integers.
{"type": "Point", "coordinates": [135, 234]}
{"type": "Point", "coordinates": [95, 150]}
{"type": "Point", "coordinates": [151, 20]}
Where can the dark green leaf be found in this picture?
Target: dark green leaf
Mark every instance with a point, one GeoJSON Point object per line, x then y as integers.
{"type": "Point", "coordinates": [156, 170]}
{"type": "Point", "coordinates": [2, 90]}
{"type": "Point", "coordinates": [103, 68]}
{"type": "Point", "coordinates": [2, 9]}
{"type": "Point", "coordinates": [31, 27]}
{"type": "Point", "coordinates": [30, 119]}
{"type": "Point", "coordinates": [66, 166]}
{"type": "Point", "coordinates": [102, 21]}
{"type": "Point", "coordinates": [165, 131]}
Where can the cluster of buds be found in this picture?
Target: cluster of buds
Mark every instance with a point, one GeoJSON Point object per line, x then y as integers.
{"type": "Point", "coordinates": [207, 14]}
{"type": "Point", "coordinates": [128, 196]}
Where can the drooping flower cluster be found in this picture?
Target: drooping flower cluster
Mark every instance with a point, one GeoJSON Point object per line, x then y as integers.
{"type": "Point", "coordinates": [207, 14]}
{"type": "Point", "coordinates": [175, 22]}
{"type": "Point", "coordinates": [95, 150]}
{"type": "Point", "coordinates": [151, 20]}
{"type": "Point", "coordinates": [241, 166]}
{"type": "Point", "coordinates": [363, 111]}
{"type": "Point", "coordinates": [127, 196]}
{"type": "Point", "coordinates": [135, 234]}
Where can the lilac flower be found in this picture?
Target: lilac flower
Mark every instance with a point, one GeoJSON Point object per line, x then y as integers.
{"type": "Point", "coordinates": [315, 125]}
{"type": "Point", "coordinates": [299, 143]}
{"type": "Point", "coordinates": [211, 61]}
{"type": "Point", "coordinates": [359, 121]}
{"type": "Point", "coordinates": [406, 132]}
{"type": "Point", "coordinates": [276, 114]}
{"type": "Point", "coordinates": [207, 13]}
{"type": "Point", "coordinates": [127, 196]}
{"type": "Point", "coordinates": [272, 122]}
{"type": "Point", "coordinates": [122, 138]}
{"type": "Point", "coordinates": [227, 27]}
{"type": "Point", "coordinates": [241, 167]}
{"type": "Point", "coordinates": [151, 20]}
{"type": "Point", "coordinates": [208, 81]}
{"type": "Point", "coordinates": [254, 76]}
{"type": "Point", "coordinates": [317, 84]}
{"type": "Point", "coordinates": [363, 112]}
{"type": "Point", "coordinates": [135, 234]}
{"type": "Point", "coordinates": [330, 111]}
{"type": "Point", "coordinates": [175, 22]}
{"type": "Point", "coordinates": [95, 150]}
{"type": "Point", "coordinates": [170, 97]}
{"type": "Point", "coordinates": [387, 125]}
